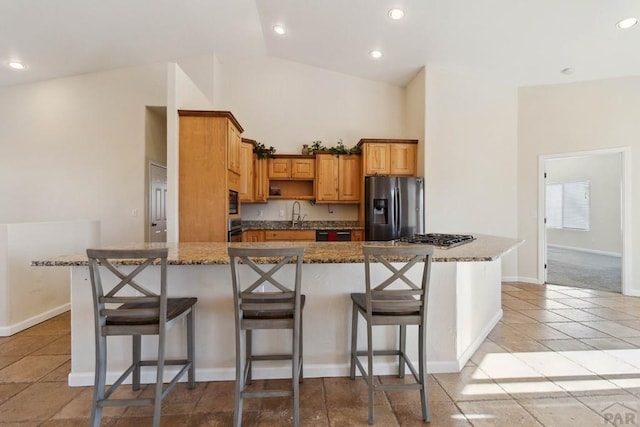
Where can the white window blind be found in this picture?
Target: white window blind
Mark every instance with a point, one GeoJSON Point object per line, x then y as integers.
{"type": "Point", "coordinates": [568, 205]}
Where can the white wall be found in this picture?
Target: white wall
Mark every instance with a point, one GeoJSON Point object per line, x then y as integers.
{"type": "Point", "coordinates": [74, 148]}
{"type": "Point", "coordinates": [470, 158]}
{"type": "Point", "coordinates": [573, 118]}
{"type": "Point", "coordinates": [30, 295]}
{"type": "Point", "coordinates": [416, 115]}
{"type": "Point", "coordinates": [287, 104]}
{"type": "Point", "coordinates": [604, 173]}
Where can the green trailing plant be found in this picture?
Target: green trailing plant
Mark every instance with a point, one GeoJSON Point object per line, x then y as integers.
{"type": "Point", "coordinates": [263, 152]}
{"type": "Point", "coordinates": [339, 148]}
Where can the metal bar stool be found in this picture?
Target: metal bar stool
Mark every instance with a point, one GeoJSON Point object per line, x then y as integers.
{"type": "Point", "coordinates": [266, 303]}
{"type": "Point", "coordinates": [395, 300]}
{"type": "Point", "coordinates": [129, 308]}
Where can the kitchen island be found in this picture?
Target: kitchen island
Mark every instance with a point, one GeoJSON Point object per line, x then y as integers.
{"type": "Point", "coordinates": [465, 305]}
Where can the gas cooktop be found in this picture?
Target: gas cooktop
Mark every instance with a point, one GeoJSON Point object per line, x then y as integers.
{"type": "Point", "coordinates": [438, 239]}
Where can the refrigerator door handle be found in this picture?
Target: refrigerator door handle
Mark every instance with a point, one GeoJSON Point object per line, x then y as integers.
{"type": "Point", "coordinates": [397, 211]}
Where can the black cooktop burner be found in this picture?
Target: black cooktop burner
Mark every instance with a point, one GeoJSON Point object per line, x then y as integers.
{"type": "Point", "coordinates": [438, 239]}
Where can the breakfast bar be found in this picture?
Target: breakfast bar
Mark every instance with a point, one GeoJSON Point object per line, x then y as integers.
{"type": "Point", "coordinates": [465, 305]}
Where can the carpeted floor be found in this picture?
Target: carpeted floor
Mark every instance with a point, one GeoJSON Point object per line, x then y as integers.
{"type": "Point", "coordinates": [584, 270]}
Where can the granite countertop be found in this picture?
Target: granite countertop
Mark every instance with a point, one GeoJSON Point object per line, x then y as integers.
{"type": "Point", "coordinates": [484, 248]}
{"type": "Point", "coordinates": [305, 225]}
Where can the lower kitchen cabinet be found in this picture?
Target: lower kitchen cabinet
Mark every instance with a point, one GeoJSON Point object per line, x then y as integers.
{"type": "Point", "coordinates": [253, 236]}
{"type": "Point", "coordinates": [289, 235]}
{"type": "Point", "coordinates": [357, 235]}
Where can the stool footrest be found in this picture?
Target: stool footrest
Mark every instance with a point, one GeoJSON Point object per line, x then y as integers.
{"type": "Point", "coordinates": [267, 393]}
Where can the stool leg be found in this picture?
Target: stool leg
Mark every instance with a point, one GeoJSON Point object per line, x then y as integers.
{"type": "Point", "coordinates": [157, 402]}
{"type": "Point", "coordinates": [136, 349]}
{"type": "Point", "coordinates": [403, 350]}
{"type": "Point", "coordinates": [248, 352]}
{"type": "Point", "coordinates": [301, 370]}
{"type": "Point", "coordinates": [191, 349]}
{"type": "Point", "coordinates": [354, 341]}
{"type": "Point", "coordinates": [237, 411]}
{"type": "Point", "coordinates": [100, 379]}
{"type": "Point", "coordinates": [295, 375]}
{"type": "Point", "coordinates": [370, 369]}
{"type": "Point", "coordinates": [422, 366]}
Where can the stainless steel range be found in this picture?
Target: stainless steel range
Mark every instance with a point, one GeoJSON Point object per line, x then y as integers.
{"type": "Point", "coordinates": [438, 239]}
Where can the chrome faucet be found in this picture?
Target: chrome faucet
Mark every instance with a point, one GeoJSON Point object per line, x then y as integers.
{"type": "Point", "coordinates": [295, 217]}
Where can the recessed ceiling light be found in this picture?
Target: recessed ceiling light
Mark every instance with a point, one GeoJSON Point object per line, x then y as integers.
{"type": "Point", "coordinates": [396, 14]}
{"type": "Point", "coordinates": [16, 65]}
{"type": "Point", "coordinates": [375, 54]}
{"type": "Point", "coordinates": [567, 71]}
{"type": "Point", "coordinates": [279, 29]}
{"type": "Point", "coordinates": [627, 23]}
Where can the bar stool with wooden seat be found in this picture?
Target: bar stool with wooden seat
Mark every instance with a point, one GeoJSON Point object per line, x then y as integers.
{"type": "Point", "coordinates": [130, 308]}
{"type": "Point", "coordinates": [393, 300]}
{"type": "Point", "coordinates": [264, 302]}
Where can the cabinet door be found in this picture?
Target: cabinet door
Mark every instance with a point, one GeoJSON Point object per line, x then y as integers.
{"type": "Point", "coordinates": [403, 159]}
{"type": "Point", "coordinates": [376, 159]}
{"type": "Point", "coordinates": [279, 168]}
{"type": "Point", "coordinates": [246, 192]}
{"type": "Point", "coordinates": [349, 178]}
{"type": "Point", "coordinates": [289, 235]}
{"type": "Point", "coordinates": [233, 148]}
{"type": "Point", "coordinates": [303, 168]}
{"type": "Point", "coordinates": [253, 236]}
{"type": "Point", "coordinates": [327, 182]}
{"type": "Point", "coordinates": [261, 181]}
{"type": "Point", "coordinates": [357, 235]}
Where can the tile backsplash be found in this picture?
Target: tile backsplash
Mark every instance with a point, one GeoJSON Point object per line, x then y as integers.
{"type": "Point", "coordinates": [280, 210]}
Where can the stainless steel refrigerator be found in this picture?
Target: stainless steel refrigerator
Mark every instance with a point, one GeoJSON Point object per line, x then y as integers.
{"type": "Point", "coordinates": [394, 207]}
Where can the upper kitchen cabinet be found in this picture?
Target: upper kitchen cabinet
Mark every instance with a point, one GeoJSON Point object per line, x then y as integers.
{"type": "Point", "coordinates": [338, 178]}
{"type": "Point", "coordinates": [233, 148]}
{"type": "Point", "coordinates": [253, 174]}
{"type": "Point", "coordinates": [292, 176]}
{"type": "Point", "coordinates": [292, 167]}
{"type": "Point", "coordinates": [389, 156]}
{"type": "Point", "coordinates": [205, 178]}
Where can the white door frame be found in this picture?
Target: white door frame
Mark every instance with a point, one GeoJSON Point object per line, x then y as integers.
{"type": "Point", "coordinates": [625, 220]}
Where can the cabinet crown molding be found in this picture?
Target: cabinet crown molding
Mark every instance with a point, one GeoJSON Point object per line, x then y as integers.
{"type": "Point", "coordinates": [209, 113]}
{"type": "Point", "coordinates": [386, 141]}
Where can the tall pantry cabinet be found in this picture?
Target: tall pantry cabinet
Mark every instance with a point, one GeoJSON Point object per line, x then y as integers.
{"type": "Point", "coordinates": [209, 144]}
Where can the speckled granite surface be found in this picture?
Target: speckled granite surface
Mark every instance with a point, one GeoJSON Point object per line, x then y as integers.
{"type": "Point", "coordinates": [306, 225]}
{"type": "Point", "coordinates": [484, 248]}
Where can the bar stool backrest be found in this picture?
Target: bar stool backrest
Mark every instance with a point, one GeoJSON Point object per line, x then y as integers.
{"type": "Point", "coordinates": [266, 297]}
{"type": "Point", "coordinates": [397, 298]}
{"type": "Point", "coordinates": [128, 304]}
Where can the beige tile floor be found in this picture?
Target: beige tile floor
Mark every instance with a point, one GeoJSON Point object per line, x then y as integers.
{"type": "Point", "coordinates": [559, 357]}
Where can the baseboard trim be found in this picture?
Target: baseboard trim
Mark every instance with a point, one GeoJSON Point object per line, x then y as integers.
{"type": "Point", "coordinates": [531, 280]}
{"type": "Point", "coordinates": [6, 331]}
{"type": "Point", "coordinates": [471, 349]}
{"type": "Point", "coordinates": [147, 376]}
{"type": "Point", "coordinates": [590, 251]}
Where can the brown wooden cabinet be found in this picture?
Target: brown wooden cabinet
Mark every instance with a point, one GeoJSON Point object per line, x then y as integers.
{"type": "Point", "coordinates": [254, 184]}
{"type": "Point", "coordinates": [357, 235]}
{"type": "Point", "coordinates": [389, 156]}
{"type": "Point", "coordinates": [233, 148]}
{"type": "Point", "coordinates": [246, 156]}
{"type": "Point", "coordinates": [204, 178]}
{"type": "Point", "coordinates": [338, 178]}
{"type": "Point", "coordinates": [292, 167]}
{"type": "Point", "coordinates": [289, 235]}
{"type": "Point", "coordinates": [292, 177]}
{"type": "Point", "coordinates": [253, 236]}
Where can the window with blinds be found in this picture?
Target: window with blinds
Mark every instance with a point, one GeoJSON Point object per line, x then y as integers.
{"type": "Point", "coordinates": [569, 205]}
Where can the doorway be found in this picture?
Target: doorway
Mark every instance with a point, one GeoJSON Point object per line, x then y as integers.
{"type": "Point", "coordinates": [157, 203]}
{"type": "Point", "coordinates": [584, 212]}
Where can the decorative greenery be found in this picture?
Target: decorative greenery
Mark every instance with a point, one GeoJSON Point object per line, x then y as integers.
{"type": "Point", "coordinates": [339, 148]}
{"type": "Point", "coordinates": [262, 152]}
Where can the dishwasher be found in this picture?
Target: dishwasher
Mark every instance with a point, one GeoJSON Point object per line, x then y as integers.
{"type": "Point", "coordinates": [333, 235]}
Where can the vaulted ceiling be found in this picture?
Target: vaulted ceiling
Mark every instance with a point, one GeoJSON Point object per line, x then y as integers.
{"type": "Point", "coordinates": [516, 42]}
